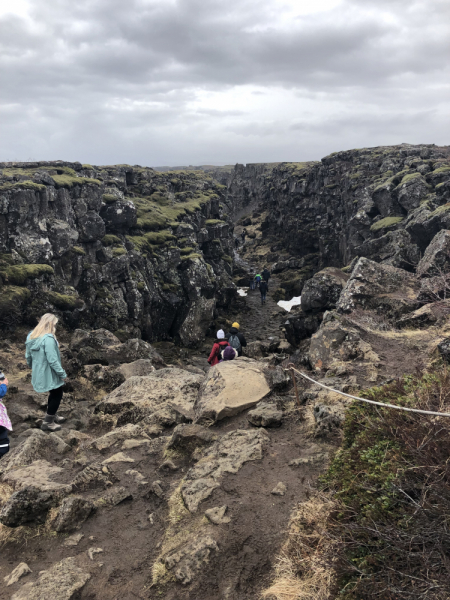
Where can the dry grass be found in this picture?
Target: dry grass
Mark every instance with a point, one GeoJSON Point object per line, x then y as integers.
{"type": "Point", "coordinates": [302, 571]}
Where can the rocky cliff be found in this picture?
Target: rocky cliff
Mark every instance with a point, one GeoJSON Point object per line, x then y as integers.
{"type": "Point", "coordinates": [138, 252]}
{"type": "Point", "coordinates": [385, 203]}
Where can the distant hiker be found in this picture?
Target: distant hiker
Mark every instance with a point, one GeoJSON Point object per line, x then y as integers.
{"type": "Point", "coordinates": [243, 234]}
{"type": "Point", "coordinates": [219, 345]}
{"type": "Point", "coordinates": [5, 423]}
{"type": "Point", "coordinates": [263, 288]}
{"type": "Point", "coordinates": [47, 375]}
{"type": "Point", "coordinates": [266, 276]}
{"type": "Point", "coordinates": [236, 242]}
{"type": "Point", "coordinates": [258, 279]}
{"type": "Point", "coordinates": [236, 339]}
{"type": "Point", "coordinates": [228, 354]}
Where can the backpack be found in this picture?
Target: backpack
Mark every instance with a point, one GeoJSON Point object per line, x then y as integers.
{"type": "Point", "coordinates": [258, 278]}
{"type": "Point", "coordinates": [234, 342]}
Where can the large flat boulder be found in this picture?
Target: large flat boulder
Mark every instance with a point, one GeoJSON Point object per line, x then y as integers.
{"type": "Point", "coordinates": [229, 388]}
{"type": "Point", "coordinates": [160, 390]}
{"type": "Point", "coordinates": [63, 581]}
{"type": "Point", "coordinates": [379, 287]}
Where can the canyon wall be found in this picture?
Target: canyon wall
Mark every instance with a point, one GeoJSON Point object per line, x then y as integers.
{"type": "Point", "coordinates": [126, 248]}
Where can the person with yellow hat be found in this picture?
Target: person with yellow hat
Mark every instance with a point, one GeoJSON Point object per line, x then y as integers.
{"type": "Point", "coordinates": [236, 339]}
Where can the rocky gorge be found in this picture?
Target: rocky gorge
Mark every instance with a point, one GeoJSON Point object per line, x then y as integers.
{"type": "Point", "coordinates": [174, 480]}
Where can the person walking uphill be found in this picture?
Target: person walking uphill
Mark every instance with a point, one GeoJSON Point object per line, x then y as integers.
{"type": "Point", "coordinates": [47, 375]}
{"type": "Point", "coordinates": [236, 339]}
{"type": "Point", "coordinates": [219, 345]}
{"type": "Point", "coordinates": [266, 276]}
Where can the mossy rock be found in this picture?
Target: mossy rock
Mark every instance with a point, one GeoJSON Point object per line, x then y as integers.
{"type": "Point", "coordinates": [278, 294]}
{"type": "Point", "coordinates": [119, 251]}
{"type": "Point", "coordinates": [18, 274]}
{"type": "Point", "coordinates": [79, 250]}
{"type": "Point", "coordinates": [185, 251]}
{"type": "Point", "coordinates": [192, 256]}
{"type": "Point", "coordinates": [109, 198]}
{"type": "Point", "coordinates": [111, 240]}
{"type": "Point", "coordinates": [212, 222]}
{"type": "Point", "coordinates": [12, 300]}
{"type": "Point", "coordinates": [64, 301]}
{"type": "Point", "coordinates": [385, 223]}
{"type": "Point", "coordinates": [69, 181]}
{"type": "Point", "coordinates": [27, 185]}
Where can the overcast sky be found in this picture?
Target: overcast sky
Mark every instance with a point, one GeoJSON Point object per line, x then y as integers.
{"type": "Point", "coordinates": [175, 82]}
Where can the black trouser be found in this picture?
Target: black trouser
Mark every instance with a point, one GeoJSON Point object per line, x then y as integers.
{"type": "Point", "coordinates": [54, 400]}
{"type": "Point", "coordinates": [263, 296]}
{"type": "Point", "coordinates": [4, 441]}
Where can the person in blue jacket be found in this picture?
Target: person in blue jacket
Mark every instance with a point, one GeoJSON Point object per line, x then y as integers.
{"type": "Point", "coordinates": [47, 375]}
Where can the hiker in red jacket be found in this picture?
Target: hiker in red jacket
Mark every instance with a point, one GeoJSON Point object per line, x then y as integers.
{"type": "Point", "coordinates": [219, 345]}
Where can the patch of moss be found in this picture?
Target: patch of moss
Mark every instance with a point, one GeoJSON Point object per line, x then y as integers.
{"type": "Point", "coordinates": [111, 240]}
{"type": "Point", "coordinates": [441, 170]}
{"type": "Point", "coordinates": [227, 259]}
{"type": "Point", "coordinates": [119, 251]}
{"type": "Point", "coordinates": [6, 260]}
{"type": "Point", "coordinates": [212, 222]}
{"type": "Point", "coordinates": [441, 210]}
{"type": "Point", "coordinates": [64, 301]}
{"type": "Point", "coordinates": [151, 240]}
{"type": "Point", "coordinates": [410, 177]}
{"type": "Point", "coordinates": [18, 274]}
{"type": "Point", "coordinates": [187, 250]}
{"type": "Point", "coordinates": [141, 286]}
{"type": "Point", "coordinates": [109, 198]}
{"type": "Point", "coordinates": [192, 256]}
{"type": "Point", "coordinates": [79, 250]}
{"type": "Point", "coordinates": [68, 181]}
{"type": "Point", "coordinates": [12, 297]}
{"type": "Point", "coordinates": [386, 222]}
{"type": "Point", "coordinates": [87, 166]}
{"type": "Point", "coordinates": [27, 185]}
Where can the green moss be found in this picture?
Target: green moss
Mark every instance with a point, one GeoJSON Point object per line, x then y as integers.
{"type": "Point", "coordinates": [441, 210]}
{"type": "Point", "coordinates": [79, 250]}
{"type": "Point", "coordinates": [87, 166]}
{"type": "Point", "coordinates": [386, 222]}
{"type": "Point", "coordinates": [151, 240]}
{"type": "Point", "coordinates": [68, 181]}
{"type": "Point", "coordinates": [64, 301]}
{"type": "Point", "coordinates": [191, 256]}
{"type": "Point", "coordinates": [12, 298]}
{"type": "Point", "coordinates": [227, 259]}
{"type": "Point", "coordinates": [410, 177]}
{"type": "Point", "coordinates": [111, 240]}
{"type": "Point", "coordinates": [27, 185]}
{"type": "Point", "coordinates": [211, 222]}
{"type": "Point", "coordinates": [6, 260]}
{"type": "Point", "coordinates": [187, 250]}
{"type": "Point", "coordinates": [18, 274]}
{"type": "Point", "coordinates": [170, 287]}
{"type": "Point", "coordinates": [119, 251]}
{"type": "Point", "coordinates": [141, 286]}
{"type": "Point", "coordinates": [441, 170]}
{"type": "Point", "coordinates": [109, 198]}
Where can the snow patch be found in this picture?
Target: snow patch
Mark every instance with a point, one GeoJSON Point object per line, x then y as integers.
{"type": "Point", "coordinates": [242, 292]}
{"type": "Point", "coordinates": [288, 304]}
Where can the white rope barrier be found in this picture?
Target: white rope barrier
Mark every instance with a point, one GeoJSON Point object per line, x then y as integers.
{"type": "Point", "coordinates": [382, 404]}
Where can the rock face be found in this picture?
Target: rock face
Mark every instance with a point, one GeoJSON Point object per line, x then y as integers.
{"type": "Point", "coordinates": [323, 290]}
{"type": "Point", "coordinates": [63, 581]}
{"type": "Point", "coordinates": [382, 287]}
{"type": "Point", "coordinates": [326, 213]}
{"type": "Point", "coordinates": [436, 259]}
{"type": "Point", "coordinates": [229, 388]}
{"type": "Point", "coordinates": [127, 249]}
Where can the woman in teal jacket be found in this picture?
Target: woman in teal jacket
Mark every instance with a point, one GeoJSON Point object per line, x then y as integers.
{"type": "Point", "coordinates": [47, 375]}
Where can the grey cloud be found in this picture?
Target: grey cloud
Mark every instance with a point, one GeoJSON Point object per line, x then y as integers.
{"type": "Point", "coordinates": [105, 76]}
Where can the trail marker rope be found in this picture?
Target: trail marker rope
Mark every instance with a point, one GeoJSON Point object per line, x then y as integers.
{"type": "Point", "coordinates": [382, 404]}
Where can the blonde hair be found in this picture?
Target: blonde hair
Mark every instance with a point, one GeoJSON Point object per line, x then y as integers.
{"type": "Point", "coordinates": [47, 324]}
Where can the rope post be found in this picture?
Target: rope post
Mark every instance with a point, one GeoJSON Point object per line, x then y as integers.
{"type": "Point", "coordinates": [295, 386]}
